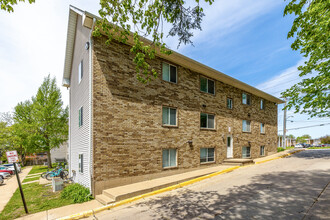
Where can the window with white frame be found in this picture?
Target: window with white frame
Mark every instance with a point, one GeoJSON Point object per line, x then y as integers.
{"type": "Point", "coordinates": [207, 121]}
{"type": "Point", "coordinates": [246, 98]}
{"type": "Point", "coordinates": [262, 128]}
{"type": "Point", "coordinates": [80, 115]}
{"type": "Point", "coordinates": [169, 116]}
{"type": "Point", "coordinates": [246, 126]}
{"type": "Point", "coordinates": [169, 158]}
{"type": "Point", "coordinates": [229, 103]}
{"type": "Point", "coordinates": [80, 71]}
{"type": "Point", "coordinates": [81, 163]}
{"type": "Point", "coordinates": [246, 152]}
{"type": "Point", "coordinates": [207, 85]}
{"type": "Point", "coordinates": [262, 104]}
{"type": "Point", "coordinates": [169, 73]}
{"type": "Point", "coordinates": [262, 150]}
{"type": "Point", "coordinates": [206, 155]}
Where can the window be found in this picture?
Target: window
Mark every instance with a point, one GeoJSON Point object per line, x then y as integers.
{"type": "Point", "coordinates": [169, 73]}
{"type": "Point", "coordinates": [262, 128]}
{"type": "Point", "coordinates": [207, 85]}
{"type": "Point", "coordinates": [246, 152]}
{"type": "Point", "coordinates": [262, 151]}
{"type": "Point", "coordinates": [206, 155]}
{"type": "Point", "coordinates": [262, 104]}
{"type": "Point", "coordinates": [80, 116]}
{"type": "Point", "coordinates": [207, 121]}
{"type": "Point", "coordinates": [80, 71]}
{"type": "Point", "coordinates": [229, 103]}
{"type": "Point", "coordinates": [169, 116]}
{"type": "Point", "coordinates": [81, 163]}
{"type": "Point", "coordinates": [246, 126]}
{"type": "Point", "coordinates": [169, 158]}
{"type": "Point", "coordinates": [246, 99]}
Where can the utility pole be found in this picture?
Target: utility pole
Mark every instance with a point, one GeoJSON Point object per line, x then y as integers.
{"type": "Point", "coordinates": [284, 125]}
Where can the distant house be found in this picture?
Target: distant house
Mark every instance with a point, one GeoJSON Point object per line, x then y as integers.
{"type": "Point", "coordinates": [190, 117]}
{"type": "Point", "coordinates": [59, 154]}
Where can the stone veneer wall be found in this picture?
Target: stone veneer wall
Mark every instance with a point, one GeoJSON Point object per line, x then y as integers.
{"type": "Point", "coordinates": [128, 136]}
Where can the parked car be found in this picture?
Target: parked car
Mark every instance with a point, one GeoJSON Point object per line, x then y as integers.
{"type": "Point", "coordinates": [299, 146]}
{"type": "Point", "coordinates": [10, 166]}
{"type": "Point", "coordinates": [5, 175]}
{"type": "Point", "coordinates": [1, 180]}
{"type": "Point", "coordinates": [4, 169]}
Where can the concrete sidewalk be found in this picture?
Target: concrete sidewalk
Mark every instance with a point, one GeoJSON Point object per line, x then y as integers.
{"type": "Point", "coordinates": [9, 187]}
{"type": "Point", "coordinates": [138, 188]}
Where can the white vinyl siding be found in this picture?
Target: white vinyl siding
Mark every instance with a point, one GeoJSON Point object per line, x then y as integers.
{"type": "Point", "coordinates": [207, 121]}
{"type": "Point", "coordinates": [169, 73]}
{"type": "Point", "coordinates": [80, 137]}
{"type": "Point", "coordinates": [169, 158]}
{"type": "Point", "coordinates": [246, 126]}
{"type": "Point", "coordinates": [206, 155]}
{"type": "Point", "coordinates": [246, 152]}
{"type": "Point", "coordinates": [169, 116]}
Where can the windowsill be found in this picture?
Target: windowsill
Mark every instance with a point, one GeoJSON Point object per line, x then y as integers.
{"type": "Point", "coordinates": [207, 92]}
{"type": "Point", "coordinates": [246, 157]}
{"type": "Point", "coordinates": [208, 129]}
{"type": "Point", "coordinates": [210, 162]}
{"type": "Point", "coordinates": [170, 82]}
{"type": "Point", "coordinates": [248, 132]}
{"type": "Point", "coordinates": [170, 168]}
{"type": "Point", "coordinates": [263, 133]}
{"type": "Point", "coordinates": [170, 126]}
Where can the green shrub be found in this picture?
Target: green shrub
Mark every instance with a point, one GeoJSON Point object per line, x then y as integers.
{"type": "Point", "coordinates": [77, 193]}
{"type": "Point", "coordinates": [279, 149]}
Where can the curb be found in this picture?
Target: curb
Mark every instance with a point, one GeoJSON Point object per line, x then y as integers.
{"type": "Point", "coordinates": [170, 188]}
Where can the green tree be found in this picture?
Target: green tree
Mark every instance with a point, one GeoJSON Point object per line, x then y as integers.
{"type": "Point", "coordinates": [127, 19]}
{"type": "Point", "coordinates": [303, 139]}
{"type": "Point", "coordinates": [325, 139]}
{"type": "Point", "coordinates": [23, 131]}
{"type": "Point", "coordinates": [50, 119]}
{"type": "Point", "coordinates": [311, 29]}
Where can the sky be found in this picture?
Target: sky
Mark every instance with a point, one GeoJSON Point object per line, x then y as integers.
{"type": "Point", "coordinates": [246, 39]}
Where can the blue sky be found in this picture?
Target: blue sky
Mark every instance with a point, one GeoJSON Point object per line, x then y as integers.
{"type": "Point", "coordinates": [245, 39]}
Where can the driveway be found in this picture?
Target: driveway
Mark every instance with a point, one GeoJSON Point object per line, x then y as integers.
{"type": "Point", "coordinates": [9, 187]}
{"type": "Point", "coordinates": [289, 188]}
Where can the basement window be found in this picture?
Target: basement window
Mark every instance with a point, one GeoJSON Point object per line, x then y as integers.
{"type": "Point", "coordinates": [169, 158]}
{"type": "Point", "coordinates": [262, 150]}
{"type": "Point", "coordinates": [206, 155]}
{"type": "Point", "coordinates": [246, 152]}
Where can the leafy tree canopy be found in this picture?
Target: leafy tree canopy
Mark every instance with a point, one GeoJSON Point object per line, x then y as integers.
{"type": "Point", "coordinates": [7, 5]}
{"type": "Point", "coordinates": [325, 139]}
{"type": "Point", "coordinates": [311, 30]}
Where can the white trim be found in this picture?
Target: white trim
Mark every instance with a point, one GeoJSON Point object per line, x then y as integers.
{"type": "Point", "coordinates": [90, 150]}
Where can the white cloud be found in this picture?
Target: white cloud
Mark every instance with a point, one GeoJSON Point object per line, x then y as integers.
{"type": "Point", "coordinates": [224, 17]}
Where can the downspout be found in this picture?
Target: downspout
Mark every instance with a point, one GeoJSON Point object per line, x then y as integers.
{"type": "Point", "coordinates": [91, 162]}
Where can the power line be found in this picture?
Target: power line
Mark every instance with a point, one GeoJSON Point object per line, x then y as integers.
{"type": "Point", "coordinates": [306, 127]}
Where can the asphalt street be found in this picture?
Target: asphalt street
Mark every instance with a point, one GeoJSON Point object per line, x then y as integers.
{"type": "Point", "coordinates": [295, 187]}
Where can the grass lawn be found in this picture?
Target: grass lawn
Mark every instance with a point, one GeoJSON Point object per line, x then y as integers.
{"type": "Point", "coordinates": [31, 179]}
{"type": "Point", "coordinates": [38, 169]}
{"type": "Point", "coordinates": [319, 148]}
{"type": "Point", "coordinates": [38, 198]}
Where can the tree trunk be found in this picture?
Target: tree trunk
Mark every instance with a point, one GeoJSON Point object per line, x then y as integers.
{"type": "Point", "coordinates": [49, 159]}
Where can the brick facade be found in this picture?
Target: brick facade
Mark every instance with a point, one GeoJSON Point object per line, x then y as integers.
{"type": "Point", "coordinates": [128, 136]}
